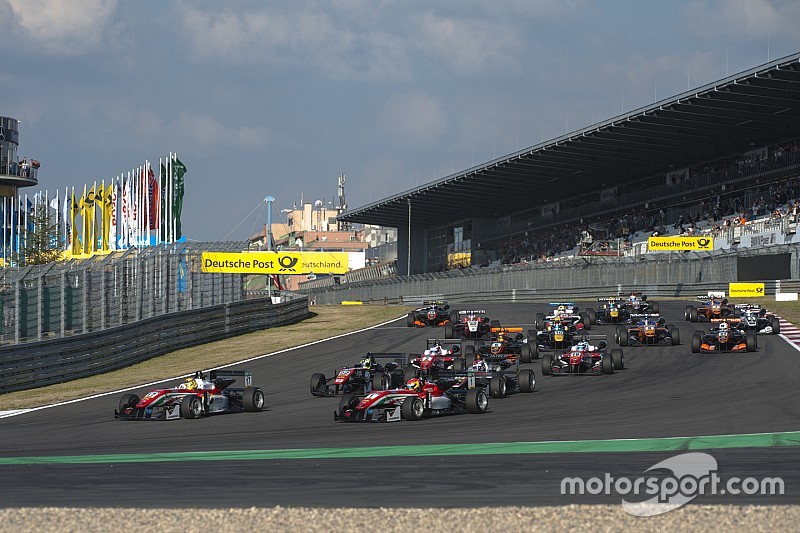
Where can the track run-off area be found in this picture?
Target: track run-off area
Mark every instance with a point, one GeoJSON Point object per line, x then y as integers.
{"type": "Point", "coordinates": [742, 408]}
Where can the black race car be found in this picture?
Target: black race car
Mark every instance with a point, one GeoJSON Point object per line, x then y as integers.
{"type": "Point", "coordinates": [376, 371]}
{"type": "Point", "coordinates": [432, 313]}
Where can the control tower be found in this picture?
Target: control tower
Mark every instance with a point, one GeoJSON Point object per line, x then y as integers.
{"type": "Point", "coordinates": [14, 172]}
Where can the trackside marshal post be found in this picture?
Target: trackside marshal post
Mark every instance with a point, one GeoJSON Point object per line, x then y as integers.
{"type": "Point", "coordinates": [275, 262]}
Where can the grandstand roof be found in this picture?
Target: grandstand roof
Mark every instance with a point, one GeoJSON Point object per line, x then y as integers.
{"type": "Point", "coordinates": [748, 110]}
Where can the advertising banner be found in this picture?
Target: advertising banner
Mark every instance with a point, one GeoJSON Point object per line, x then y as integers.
{"type": "Point", "coordinates": [745, 290]}
{"type": "Point", "coordinates": [275, 262]}
{"type": "Point", "coordinates": [672, 244]}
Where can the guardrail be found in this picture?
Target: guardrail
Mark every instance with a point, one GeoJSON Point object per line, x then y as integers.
{"type": "Point", "coordinates": [38, 364]}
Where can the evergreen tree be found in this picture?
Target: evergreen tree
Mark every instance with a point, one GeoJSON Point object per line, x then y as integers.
{"type": "Point", "coordinates": [41, 237]}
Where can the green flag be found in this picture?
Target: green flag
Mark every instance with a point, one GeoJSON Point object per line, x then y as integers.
{"type": "Point", "coordinates": [178, 170]}
{"type": "Point", "coordinates": [165, 214]}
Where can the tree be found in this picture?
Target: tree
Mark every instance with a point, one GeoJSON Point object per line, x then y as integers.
{"type": "Point", "coordinates": [41, 237]}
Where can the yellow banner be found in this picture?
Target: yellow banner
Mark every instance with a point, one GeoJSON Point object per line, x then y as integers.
{"type": "Point", "coordinates": [745, 290]}
{"type": "Point", "coordinates": [669, 244]}
{"type": "Point", "coordinates": [275, 262]}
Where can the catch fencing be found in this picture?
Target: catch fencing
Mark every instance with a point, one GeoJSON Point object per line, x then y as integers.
{"type": "Point", "coordinates": [659, 274]}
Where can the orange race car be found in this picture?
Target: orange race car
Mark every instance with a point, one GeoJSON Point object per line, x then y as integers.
{"type": "Point", "coordinates": [710, 307]}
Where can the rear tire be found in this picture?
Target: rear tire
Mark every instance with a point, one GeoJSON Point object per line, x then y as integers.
{"type": "Point", "coordinates": [476, 401]}
{"type": "Point", "coordinates": [587, 323]}
{"type": "Point", "coordinates": [381, 381]}
{"type": "Point", "coordinates": [607, 364]}
{"type": "Point", "coordinates": [622, 336]}
{"type": "Point", "coordinates": [676, 336]}
{"type": "Point", "coordinates": [539, 323]}
{"type": "Point", "coordinates": [752, 342]}
{"type": "Point", "coordinates": [654, 306]}
{"type": "Point", "coordinates": [469, 349]}
{"type": "Point", "coordinates": [527, 381]}
{"type": "Point", "coordinates": [592, 315]}
{"type": "Point", "coordinates": [497, 387]}
{"type": "Point", "coordinates": [412, 408]}
{"type": "Point", "coordinates": [410, 320]}
{"type": "Point", "coordinates": [253, 400]}
{"type": "Point", "coordinates": [693, 314]}
{"type": "Point", "coordinates": [776, 325]}
{"type": "Point", "coordinates": [191, 407]}
{"type": "Point", "coordinates": [525, 353]}
{"type": "Point", "coordinates": [448, 331]}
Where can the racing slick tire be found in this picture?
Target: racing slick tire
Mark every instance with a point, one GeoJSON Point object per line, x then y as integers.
{"type": "Point", "coordinates": [469, 360]}
{"type": "Point", "coordinates": [527, 381]}
{"type": "Point", "coordinates": [127, 400]}
{"type": "Point", "coordinates": [381, 381]}
{"type": "Point", "coordinates": [410, 320]}
{"type": "Point", "coordinates": [607, 364]}
{"type": "Point", "coordinates": [539, 323]}
{"type": "Point", "coordinates": [348, 401]}
{"type": "Point", "coordinates": [696, 342]}
{"type": "Point", "coordinates": [497, 387]}
{"type": "Point", "coordinates": [191, 406]}
{"type": "Point", "coordinates": [686, 312]}
{"type": "Point", "coordinates": [525, 353]}
{"type": "Point", "coordinates": [448, 331]}
{"type": "Point", "coordinates": [654, 307]}
{"type": "Point", "coordinates": [453, 316]}
{"type": "Point", "coordinates": [618, 358]}
{"type": "Point", "coordinates": [776, 325]}
{"type": "Point", "coordinates": [622, 336]}
{"type": "Point", "coordinates": [535, 350]}
{"type": "Point", "coordinates": [675, 333]}
{"type": "Point", "coordinates": [253, 400]}
{"type": "Point", "coordinates": [410, 372]}
{"type": "Point", "coordinates": [547, 364]}
{"type": "Point", "coordinates": [318, 384]}
{"type": "Point", "coordinates": [476, 401]}
{"type": "Point", "coordinates": [592, 315]}
{"type": "Point", "coordinates": [459, 364]}
{"type": "Point", "coordinates": [469, 349]}
{"type": "Point", "coordinates": [751, 342]}
{"type": "Point", "coordinates": [691, 313]}
{"type": "Point", "coordinates": [586, 321]}
{"type": "Point", "coordinates": [412, 408]}
{"type": "Point", "coordinates": [495, 323]}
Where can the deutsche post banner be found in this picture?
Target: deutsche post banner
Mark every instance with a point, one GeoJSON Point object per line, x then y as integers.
{"type": "Point", "coordinates": [275, 262]}
{"type": "Point", "coordinates": [745, 290]}
{"type": "Point", "coordinates": [676, 244]}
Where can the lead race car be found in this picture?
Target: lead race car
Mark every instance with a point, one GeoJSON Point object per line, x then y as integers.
{"type": "Point", "coordinates": [432, 313]}
{"type": "Point", "coordinates": [419, 399]}
{"type": "Point", "coordinates": [584, 359]}
{"type": "Point", "coordinates": [470, 324]}
{"type": "Point", "coordinates": [198, 396]}
{"type": "Point", "coordinates": [567, 313]}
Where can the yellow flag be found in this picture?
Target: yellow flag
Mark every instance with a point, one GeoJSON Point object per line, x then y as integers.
{"type": "Point", "coordinates": [100, 202]}
{"type": "Point", "coordinates": [73, 232]}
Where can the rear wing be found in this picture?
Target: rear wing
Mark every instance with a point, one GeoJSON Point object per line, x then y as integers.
{"type": "Point", "coordinates": [556, 304]}
{"type": "Point", "coordinates": [444, 343]}
{"type": "Point", "coordinates": [645, 315]}
{"type": "Point", "coordinates": [513, 329]}
{"type": "Point", "coordinates": [611, 299]}
{"type": "Point", "coordinates": [246, 374]}
{"type": "Point", "coordinates": [401, 358]}
{"type": "Point", "coordinates": [434, 302]}
{"type": "Point", "coordinates": [473, 312]}
{"type": "Point", "coordinates": [631, 293]}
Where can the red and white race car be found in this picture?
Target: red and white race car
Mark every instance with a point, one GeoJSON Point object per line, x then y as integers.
{"type": "Point", "coordinates": [471, 324]}
{"type": "Point", "coordinates": [194, 398]}
{"type": "Point", "coordinates": [440, 354]}
{"type": "Point", "coordinates": [419, 399]}
{"type": "Point", "coordinates": [583, 359]}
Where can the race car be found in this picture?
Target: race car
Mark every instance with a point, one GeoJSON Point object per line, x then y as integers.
{"type": "Point", "coordinates": [503, 346]}
{"type": "Point", "coordinates": [724, 338]}
{"type": "Point", "coordinates": [568, 313]}
{"type": "Point", "coordinates": [196, 397]}
{"type": "Point", "coordinates": [440, 354]}
{"type": "Point", "coordinates": [376, 371]}
{"type": "Point", "coordinates": [418, 399]}
{"type": "Point", "coordinates": [432, 313]}
{"type": "Point", "coordinates": [649, 330]}
{"type": "Point", "coordinates": [499, 375]}
{"type": "Point", "coordinates": [611, 311]}
{"type": "Point", "coordinates": [755, 318]}
{"type": "Point", "coordinates": [472, 324]}
{"type": "Point", "coordinates": [584, 359]}
{"type": "Point", "coordinates": [636, 302]}
{"type": "Point", "coordinates": [710, 307]}
{"type": "Point", "coordinates": [556, 335]}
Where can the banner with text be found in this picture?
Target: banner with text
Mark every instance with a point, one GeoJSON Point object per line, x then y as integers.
{"type": "Point", "coordinates": [671, 244]}
{"type": "Point", "coordinates": [745, 290]}
{"type": "Point", "coordinates": [276, 262]}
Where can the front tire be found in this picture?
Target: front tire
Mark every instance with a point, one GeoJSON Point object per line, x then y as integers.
{"type": "Point", "coordinates": [751, 342]}
{"type": "Point", "coordinates": [547, 364]}
{"type": "Point", "coordinates": [676, 336]}
{"type": "Point", "coordinates": [381, 381]}
{"type": "Point", "coordinates": [412, 408]}
{"type": "Point", "coordinates": [448, 331]}
{"type": "Point", "coordinates": [253, 400]}
{"type": "Point", "coordinates": [607, 364]}
{"type": "Point", "coordinates": [318, 384]}
{"type": "Point", "coordinates": [527, 381]}
{"type": "Point", "coordinates": [410, 320]}
{"type": "Point", "coordinates": [525, 353]}
{"type": "Point", "coordinates": [696, 342]}
{"type": "Point", "coordinates": [476, 401]}
{"type": "Point", "coordinates": [191, 407]}
{"type": "Point", "coordinates": [622, 336]}
{"type": "Point", "coordinates": [776, 325]}
{"type": "Point", "coordinates": [618, 358]}
{"type": "Point", "coordinates": [127, 400]}
{"type": "Point", "coordinates": [497, 387]}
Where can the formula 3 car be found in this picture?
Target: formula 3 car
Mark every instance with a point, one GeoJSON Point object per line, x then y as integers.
{"type": "Point", "coordinates": [709, 308]}
{"type": "Point", "coordinates": [432, 313]}
{"type": "Point", "coordinates": [583, 359]}
{"type": "Point", "coordinates": [567, 313]}
{"type": "Point", "coordinates": [503, 346]}
{"type": "Point", "coordinates": [440, 354]}
{"type": "Point", "coordinates": [194, 398]}
{"type": "Point", "coordinates": [611, 311]}
{"type": "Point", "coordinates": [636, 302]}
{"type": "Point", "coordinates": [649, 330]}
{"type": "Point", "coordinates": [755, 318]}
{"type": "Point", "coordinates": [376, 371]}
{"type": "Point", "coordinates": [472, 324]}
{"type": "Point", "coordinates": [724, 338]}
{"type": "Point", "coordinates": [419, 399]}
{"type": "Point", "coordinates": [499, 375]}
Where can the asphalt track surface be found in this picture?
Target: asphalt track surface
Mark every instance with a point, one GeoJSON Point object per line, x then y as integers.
{"type": "Point", "coordinates": [663, 392]}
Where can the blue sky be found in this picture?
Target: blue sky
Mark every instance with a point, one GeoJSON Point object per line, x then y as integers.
{"type": "Point", "coordinates": [278, 98]}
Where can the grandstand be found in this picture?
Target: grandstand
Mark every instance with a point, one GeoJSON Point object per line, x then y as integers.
{"type": "Point", "coordinates": [694, 155]}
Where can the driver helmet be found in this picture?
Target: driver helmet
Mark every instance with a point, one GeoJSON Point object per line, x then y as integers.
{"type": "Point", "coordinates": [723, 326]}
{"type": "Point", "coordinates": [414, 384]}
{"type": "Point", "coordinates": [582, 346]}
{"type": "Point", "coordinates": [480, 365]}
{"type": "Point", "coordinates": [501, 337]}
{"type": "Point", "coordinates": [495, 348]}
{"type": "Point", "coordinates": [367, 361]}
{"type": "Point", "coordinates": [191, 384]}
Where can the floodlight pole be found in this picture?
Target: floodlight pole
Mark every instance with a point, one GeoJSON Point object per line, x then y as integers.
{"type": "Point", "coordinates": [268, 236]}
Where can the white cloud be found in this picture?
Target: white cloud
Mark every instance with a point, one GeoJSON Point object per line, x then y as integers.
{"type": "Point", "coordinates": [414, 117]}
{"type": "Point", "coordinates": [63, 26]}
{"type": "Point", "coordinates": [743, 18]}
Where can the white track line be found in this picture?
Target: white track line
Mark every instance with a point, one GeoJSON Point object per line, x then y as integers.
{"type": "Point", "coordinates": [16, 412]}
